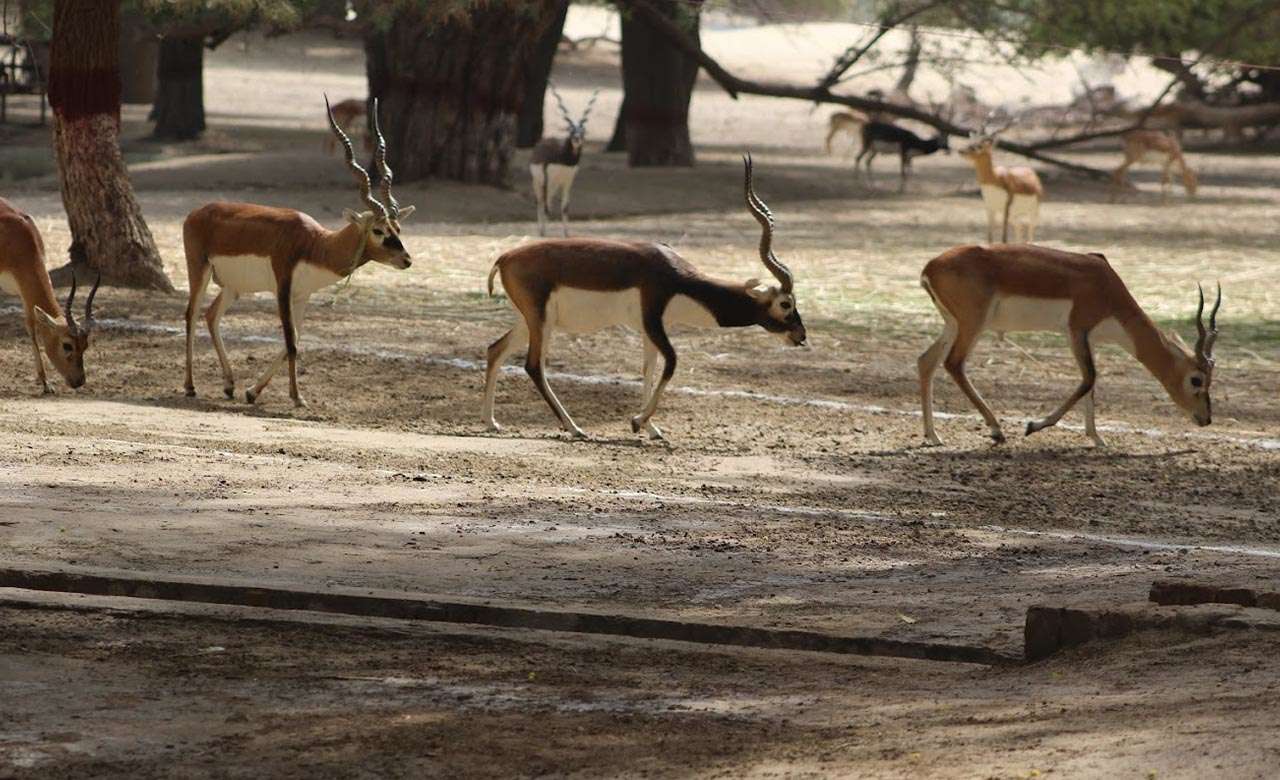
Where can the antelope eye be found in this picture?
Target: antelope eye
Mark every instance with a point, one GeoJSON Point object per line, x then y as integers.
{"type": "Point", "coordinates": [1197, 381]}
{"type": "Point", "coordinates": [378, 232]}
{"type": "Point", "coordinates": [785, 305]}
{"type": "Point", "coordinates": [66, 347]}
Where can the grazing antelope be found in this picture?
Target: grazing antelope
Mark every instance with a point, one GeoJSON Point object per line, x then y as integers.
{"type": "Point", "coordinates": [554, 163]}
{"type": "Point", "coordinates": [346, 113]}
{"type": "Point", "coordinates": [850, 122]}
{"type": "Point", "coordinates": [1017, 287]}
{"type": "Point", "coordinates": [886, 137]}
{"type": "Point", "coordinates": [583, 285]}
{"type": "Point", "coordinates": [1159, 146]}
{"type": "Point", "coordinates": [22, 273]}
{"type": "Point", "coordinates": [1012, 195]}
{"type": "Point", "coordinates": [248, 248]}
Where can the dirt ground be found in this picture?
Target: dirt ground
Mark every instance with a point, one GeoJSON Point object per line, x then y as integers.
{"type": "Point", "coordinates": [791, 490]}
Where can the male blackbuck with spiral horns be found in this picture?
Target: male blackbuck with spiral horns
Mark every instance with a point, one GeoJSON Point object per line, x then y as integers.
{"type": "Point", "coordinates": [553, 164]}
{"type": "Point", "coordinates": [248, 248]}
{"type": "Point", "coordinates": [22, 273]}
{"type": "Point", "coordinates": [1017, 287]}
{"type": "Point", "coordinates": [583, 285]}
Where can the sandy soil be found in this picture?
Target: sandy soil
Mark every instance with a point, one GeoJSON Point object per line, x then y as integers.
{"type": "Point", "coordinates": [791, 490]}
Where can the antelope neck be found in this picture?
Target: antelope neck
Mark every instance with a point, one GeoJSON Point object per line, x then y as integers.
{"type": "Point", "coordinates": [730, 304]}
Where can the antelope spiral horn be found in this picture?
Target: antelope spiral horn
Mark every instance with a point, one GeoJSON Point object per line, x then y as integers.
{"type": "Point", "coordinates": [564, 110]}
{"type": "Point", "coordinates": [765, 217]}
{"type": "Point", "coordinates": [88, 304]}
{"type": "Point", "coordinates": [69, 312]}
{"type": "Point", "coordinates": [360, 174]}
{"type": "Point", "coordinates": [384, 171]}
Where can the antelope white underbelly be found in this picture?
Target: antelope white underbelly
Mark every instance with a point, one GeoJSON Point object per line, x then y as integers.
{"type": "Point", "coordinates": [249, 274]}
{"type": "Point", "coordinates": [1014, 313]}
{"type": "Point", "coordinates": [584, 311]}
{"type": "Point", "coordinates": [559, 177]}
{"type": "Point", "coordinates": [9, 283]}
{"type": "Point", "coordinates": [1023, 207]}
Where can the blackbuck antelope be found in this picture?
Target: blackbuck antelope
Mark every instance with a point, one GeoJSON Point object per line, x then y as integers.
{"type": "Point", "coordinates": [1155, 146]}
{"type": "Point", "coordinates": [1017, 287]}
{"type": "Point", "coordinates": [554, 164]}
{"type": "Point", "coordinates": [886, 137]}
{"type": "Point", "coordinates": [1010, 195]}
{"type": "Point", "coordinates": [850, 122]}
{"type": "Point", "coordinates": [248, 248]}
{"type": "Point", "coordinates": [583, 285]}
{"type": "Point", "coordinates": [347, 113]}
{"type": "Point", "coordinates": [23, 273]}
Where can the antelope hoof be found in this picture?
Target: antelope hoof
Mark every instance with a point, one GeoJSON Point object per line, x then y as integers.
{"type": "Point", "coordinates": [997, 437]}
{"type": "Point", "coordinates": [229, 391]}
{"type": "Point", "coordinates": [45, 389]}
{"type": "Point", "coordinates": [636, 422]}
{"type": "Point", "coordinates": [1034, 426]}
{"type": "Point", "coordinates": [250, 397]}
{"type": "Point", "coordinates": [1098, 441]}
{"type": "Point", "coordinates": [654, 431]}
{"type": "Point", "coordinates": [494, 427]}
{"type": "Point", "coordinates": [577, 433]}
{"type": "Point", "coordinates": [299, 402]}
{"type": "Point", "coordinates": [932, 440]}
{"type": "Point", "coordinates": [191, 392]}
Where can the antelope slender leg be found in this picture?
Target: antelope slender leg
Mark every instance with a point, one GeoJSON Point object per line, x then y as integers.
{"type": "Point", "coordinates": [564, 203]}
{"type": "Point", "coordinates": [650, 363]}
{"type": "Point", "coordinates": [194, 297]}
{"type": "Point", "coordinates": [902, 173]}
{"type": "Point", "coordinates": [954, 363]}
{"type": "Point", "coordinates": [857, 162]}
{"type": "Point", "coordinates": [1118, 179]}
{"type": "Point", "coordinates": [1165, 180]}
{"type": "Point", "coordinates": [35, 350]}
{"type": "Point", "coordinates": [658, 335]}
{"type": "Point", "coordinates": [1090, 428]}
{"type": "Point", "coordinates": [251, 395]}
{"type": "Point", "coordinates": [1084, 358]}
{"type": "Point", "coordinates": [539, 175]}
{"type": "Point", "coordinates": [1008, 205]}
{"type": "Point", "coordinates": [926, 366]}
{"type": "Point", "coordinates": [512, 340]}
{"type": "Point", "coordinates": [991, 226]}
{"type": "Point", "coordinates": [213, 319]}
{"type": "Point", "coordinates": [535, 366]}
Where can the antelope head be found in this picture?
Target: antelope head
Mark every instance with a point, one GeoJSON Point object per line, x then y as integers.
{"type": "Point", "coordinates": [578, 129]}
{"type": "Point", "coordinates": [776, 305]}
{"type": "Point", "coordinates": [1189, 381]}
{"type": "Point", "coordinates": [65, 344]}
{"type": "Point", "coordinates": [381, 223]}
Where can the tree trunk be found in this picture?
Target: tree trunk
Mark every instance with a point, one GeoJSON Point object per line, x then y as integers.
{"type": "Point", "coordinates": [529, 128]}
{"type": "Point", "coordinates": [451, 90]}
{"type": "Point", "coordinates": [179, 108]}
{"type": "Point", "coordinates": [107, 228]}
{"type": "Point", "coordinates": [139, 50]}
{"type": "Point", "coordinates": [657, 79]}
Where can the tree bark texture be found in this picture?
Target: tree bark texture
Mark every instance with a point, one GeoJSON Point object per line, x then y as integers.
{"type": "Point", "coordinates": [139, 51]}
{"type": "Point", "coordinates": [107, 228]}
{"type": "Point", "coordinates": [658, 79]}
{"type": "Point", "coordinates": [179, 108]}
{"type": "Point", "coordinates": [530, 126]}
{"type": "Point", "coordinates": [451, 90]}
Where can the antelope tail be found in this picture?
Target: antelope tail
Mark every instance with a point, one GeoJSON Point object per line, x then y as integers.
{"type": "Point", "coordinates": [492, 273]}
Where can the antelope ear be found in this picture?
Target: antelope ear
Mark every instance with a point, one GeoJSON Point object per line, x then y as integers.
{"type": "Point", "coordinates": [354, 217]}
{"type": "Point", "coordinates": [1173, 336]}
{"type": "Point", "coordinates": [405, 211]}
{"type": "Point", "coordinates": [44, 320]}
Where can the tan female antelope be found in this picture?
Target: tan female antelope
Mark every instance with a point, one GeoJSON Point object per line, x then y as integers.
{"type": "Point", "coordinates": [248, 248]}
{"type": "Point", "coordinates": [23, 273]}
{"type": "Point", "coordinates": [1158, 146]}
{"type": "Point", "coordinates": [583, 285]}
{"type": "Point", "coordinates": [553, 164]}
{"type": "Point", "coordinates": [1009, 194]}
{"type": "Point", "coordinates": [347, 113]}
{"type": "Point", "coordinates": [1007, 288]}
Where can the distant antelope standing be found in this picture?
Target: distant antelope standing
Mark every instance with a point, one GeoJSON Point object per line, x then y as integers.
{"type": "Point", "coordinates": [554, 164]}
{"type": "Point", "coordinates": [23, 273]}
{"type": "Point", "coordinates": [850, 122]}
{"type": "Point", "coordinates": [1159, 146]}
{"type": "Point", "coordinates": [887, 137]}
{"type": "Point", "coordinates": [346, 113]}
{"type": "Point", "coordinates": [1011, 195]}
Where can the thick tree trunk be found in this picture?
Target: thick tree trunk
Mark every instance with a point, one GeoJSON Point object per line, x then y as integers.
{"type": "Point", "coordinates": [451, 90]}
{"type": "Point", "coordinates": [658, 78]}
{"type": "Point", "coordinates": [179, 108]}
{"type": "Point", "coordinates": [139, 51]}
{"type": "Point", "coordinates": [107, 228]}
{"type": "Point", "coordinates": [529, 127]}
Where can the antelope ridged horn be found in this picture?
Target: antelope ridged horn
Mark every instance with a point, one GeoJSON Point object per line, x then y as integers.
{"type": "Point", "coordinates": [1207, 337]}
{"type": "Point", "coordinates": [384, 171]}
{"type": "Point", "coordinates": [88, 304]}
{"type": "Point", "coordinates": [68, 312]}
{"type": "Point", "coordinates": [564, 111]}
{"type": "Point", "coordinates": [765, 217]}
{"type": "Point", "coordinates": [587, 111]}
{"type": "Point", "coordinates": [360, 174]}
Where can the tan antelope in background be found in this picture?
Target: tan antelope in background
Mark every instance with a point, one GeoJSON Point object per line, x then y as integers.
{"type": "Point", "coordinates": [1008, 288]}
{"type": "Point", "coordinates": [850, 121]}
{"type": "Point", "coordinates": [23, 273]}
{"type": "Point", "coordinates": [347, 114]}
{"type": "Point", "coordinates": [1010, 195]}
{"type": "Point", "coordinates": [1154, 146]}
{"type": "Point", "coordinates": [584, 285]}
{"type": "Point", "coordinates": [248, 248]}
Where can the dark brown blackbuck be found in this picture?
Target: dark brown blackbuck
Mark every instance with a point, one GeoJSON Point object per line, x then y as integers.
{"type": "Point", "coordinates": [583, 285]}
{"type": "Point", "coordinates": [553, 164]}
